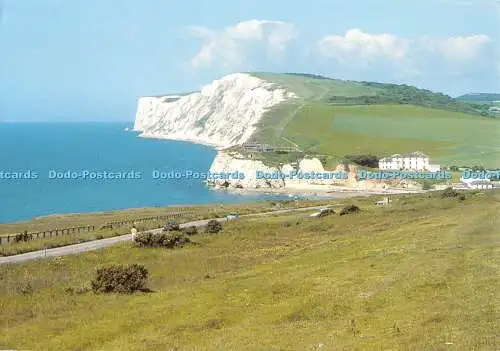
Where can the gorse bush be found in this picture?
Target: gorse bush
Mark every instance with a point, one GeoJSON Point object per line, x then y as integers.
{"type": "Point", "coordinates": [449, 193]}
{"type": "Point", "coordinates": [349, 209]}
{"type": "Point", "coordinates": [213, 227]}
{"type": "Point", "coordinates": [165, 239]}
{"type": "Point", "coordinates": [123, 279]}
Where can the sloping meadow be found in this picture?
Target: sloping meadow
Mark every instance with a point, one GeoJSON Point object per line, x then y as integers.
{"type": "Point", "coordinates": [420, 273]}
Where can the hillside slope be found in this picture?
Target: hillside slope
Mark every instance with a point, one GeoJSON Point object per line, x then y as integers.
{"type": "Point", "coordinates": [322, 116]}
{"type": "Point", "coordinates": [417, 275]}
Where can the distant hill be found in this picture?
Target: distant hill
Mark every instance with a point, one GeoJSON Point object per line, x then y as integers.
{"type": "Point", "coordinates": [479, 97]}
{"type": "Point", "coordinates": [338, 117]}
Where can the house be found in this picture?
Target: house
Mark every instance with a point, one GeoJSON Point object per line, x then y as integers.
{"type": "Point", "coordinates": [414, 161]}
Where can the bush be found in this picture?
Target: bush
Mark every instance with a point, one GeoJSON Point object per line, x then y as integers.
{"type": "Point", "coordinates": [171, 226]}
{"type": "Point", "coordinates": [213, 227]}
{"type": "Point", "coordinates": [24, 236]}
{"type": "Point", "coordinates": [363, 160]}
{"type": "Point", "coordinates": [190, 230]}
{"type": "Point", "coordinates": [449, 193]}
{"type": "Point", "coordinates": [349, 209]}
{"type": "Point", "coordinates": [123, 279]}
{"type": "Point", "coordinates": [166, 239]}
{"type": "Point", "coordinates": [144, 238]}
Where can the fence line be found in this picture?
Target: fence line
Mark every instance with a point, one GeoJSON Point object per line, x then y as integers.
{"type": "Point", "coordinates": [7, 239]}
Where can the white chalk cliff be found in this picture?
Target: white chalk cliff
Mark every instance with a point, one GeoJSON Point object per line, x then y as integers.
{"type": "Point", "coordinates": [222, 114]}
{"type": "Point", "coordinates": [232, 163]}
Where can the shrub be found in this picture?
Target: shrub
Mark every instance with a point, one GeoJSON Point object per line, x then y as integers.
{"type": "Point", "coordinates": [449, 192]}
{"type": "Point", "coordinates": [363, 160]}
{"type": "Point", "coordinates": [144, 238]}
{"type": "Point", "coordinates": [123, 279]}
{"type": "Point", "coordinates": [24, 236]}
{"type": "Point", "coordinates": [349, 209]}
{"type": "Point", "coordinates": [213, 227]}
{"type": "Point", "coordinates": [190, 230]}
{"type": "Point", "coordinates": [165, 239]}
{"type": "Point", "coordinates": [171, 240]}
{"type": "Point", "coordinates": [171, 226]}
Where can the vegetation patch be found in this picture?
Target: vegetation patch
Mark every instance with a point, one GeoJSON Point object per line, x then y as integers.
{"type": "Point", "coordinates": [213, 227]}
{"type": "Point", "coordinates": [166, 239]}
{"type": "Point", "coordinates": [452, 193]}
{"type": "Point", "coordinates": [124, 279]}
{"type": "Point", "coordinates": [363, 160]}
{"type": "Point", "coordinates": [349, 210]}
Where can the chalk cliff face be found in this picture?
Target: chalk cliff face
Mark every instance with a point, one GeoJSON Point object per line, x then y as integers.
{"type": "Point", "coordinates": [222, 114]}
{"type": "Point", "coordinates": [225, 163]}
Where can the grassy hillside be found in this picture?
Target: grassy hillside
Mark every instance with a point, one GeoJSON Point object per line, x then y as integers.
{"type": "Point", "coordinates": [418, 275]}
{"type": "Point", "coordinates": [335, 118]}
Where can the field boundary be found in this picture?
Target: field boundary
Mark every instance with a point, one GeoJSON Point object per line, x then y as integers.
{"type": "Point", "coordinates": [8, 239]}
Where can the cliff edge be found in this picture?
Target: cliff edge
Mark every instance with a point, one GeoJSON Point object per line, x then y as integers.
{"type": "Point", "coordinates": [224, 113]}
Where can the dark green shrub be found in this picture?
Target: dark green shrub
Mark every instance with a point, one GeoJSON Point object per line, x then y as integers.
{"type": "Point", "coordinates": [213, 227]}
{"type": "Point", "coordinates": [24, 236]}
{"type": "Point", "coordinates": [164, 239]}
{"type": "Point", "coordinates": [190, 230]}
{"type": "Point", "coordinates": [461, 197]}
{"type": "Point", "coordinates": [144, 238]}
{"type": "Point", "coordinates": [171, 226]}
{"type": "Point", "coordinates": [363, 160]}
{"type": "Point", "coordinates": [123, 279]}
{"type": "Point", "coordinates": [449, 193]}
{"type": "Point", "coordinates": [349, 209]}
{"type": "Point", "coordinates": [170, 240]}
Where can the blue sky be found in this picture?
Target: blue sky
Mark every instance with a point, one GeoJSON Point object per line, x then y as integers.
{"type": "Point", "coordinates": [92, 59]}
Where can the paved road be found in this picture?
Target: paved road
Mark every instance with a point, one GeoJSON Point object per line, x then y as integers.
{"type": "Point", "coordinates": [102, 243]}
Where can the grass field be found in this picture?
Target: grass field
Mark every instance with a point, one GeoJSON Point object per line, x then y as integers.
{"type": "Point", "coordinates": [447, 137]}
{"type": "Point", "coordinates": [421, 274]}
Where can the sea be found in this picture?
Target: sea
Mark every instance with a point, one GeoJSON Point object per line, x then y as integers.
{"type": "Point", "coordinates": [58, 168]}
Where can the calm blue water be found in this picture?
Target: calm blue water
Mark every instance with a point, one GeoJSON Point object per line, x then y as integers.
{"type": "Point", "coordinates": [41, 148]}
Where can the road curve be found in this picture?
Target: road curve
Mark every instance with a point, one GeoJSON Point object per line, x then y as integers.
{"type": "Point", "coordinates": [102, 243]}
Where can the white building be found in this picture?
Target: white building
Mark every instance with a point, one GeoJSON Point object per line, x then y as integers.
{"type": "Point", "coordinates": [415, 161]}
{"type": "Point", "coordinates": [470, 183]}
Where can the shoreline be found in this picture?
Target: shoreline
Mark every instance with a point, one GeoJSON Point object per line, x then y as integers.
{"type": "Point", "coordinates": [318, 190]}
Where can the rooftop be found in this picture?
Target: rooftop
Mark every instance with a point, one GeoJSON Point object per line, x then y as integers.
{"type": "Point", "coordinates": [415, 154]}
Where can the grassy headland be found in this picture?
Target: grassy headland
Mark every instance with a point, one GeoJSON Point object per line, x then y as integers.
{"type": "Point", "coordinates": [420, 274]}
